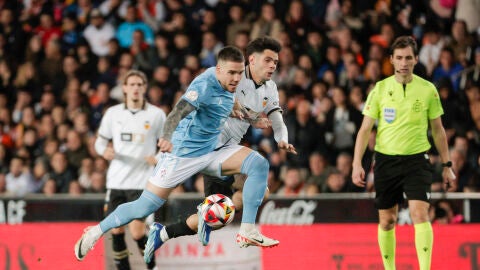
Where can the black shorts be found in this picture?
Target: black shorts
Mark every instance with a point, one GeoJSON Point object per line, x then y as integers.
{"type": "Point", "coordinates": [401, 177]}
{"type": "Point", "coordinates": [115, 197]}
{"type": "Point", "coordinates": [215, 185]}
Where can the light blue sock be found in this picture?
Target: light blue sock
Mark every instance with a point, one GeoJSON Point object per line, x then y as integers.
{"type": "Point", "coordinates": [146, 204]}
{"type": "Point", "coordinates": [256, 168]}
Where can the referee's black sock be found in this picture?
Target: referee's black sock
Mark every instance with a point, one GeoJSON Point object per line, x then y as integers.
{"type": "Point", "coordinates": [179, 229]}
{"type": "Point", "coordinates": [141, 246]}
{"type": "Point", "coordinates": [120, 252]}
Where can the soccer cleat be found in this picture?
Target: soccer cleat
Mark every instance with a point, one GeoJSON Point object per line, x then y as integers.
{"type": "Point", "coordinates": [254, 238]}
{"type": "Point", "coordinates": [203, 230]}
{"type": "Point", "coordinates": [85, 243]}
{"type": "Point", "coordinates": [154, 241]}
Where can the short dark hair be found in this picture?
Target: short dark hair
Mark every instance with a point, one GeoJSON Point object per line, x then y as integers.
{"type": "Point", "coordinates": [230, 53]}
{"type": "Point", "coordinates": [404, 42]}
{"type": "Point", "coordinates": [260, 44]}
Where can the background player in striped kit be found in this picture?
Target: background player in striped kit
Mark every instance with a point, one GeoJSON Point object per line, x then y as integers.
{"type": "Point", "coordinates": [133, 128]}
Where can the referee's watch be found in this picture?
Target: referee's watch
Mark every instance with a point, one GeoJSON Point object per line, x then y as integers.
{"type": "Point", "coordinates": [447, 164]}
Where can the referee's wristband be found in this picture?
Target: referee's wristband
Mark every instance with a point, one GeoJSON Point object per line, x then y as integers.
{"type": "Point", "coordinates": [447, 164]}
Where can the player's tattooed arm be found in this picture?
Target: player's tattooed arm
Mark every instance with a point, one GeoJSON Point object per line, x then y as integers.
{"type": "Point", "coordinates": [180, 111]}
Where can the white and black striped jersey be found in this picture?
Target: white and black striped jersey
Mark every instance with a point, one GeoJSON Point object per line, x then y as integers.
{"type": "Point", "coordinates": [255, 100]}
{"type": "Point", "coordinates": [134, 135]}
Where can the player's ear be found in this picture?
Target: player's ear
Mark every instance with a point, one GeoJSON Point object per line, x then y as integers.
{"type": "Point", "coordinates": [251, 58]}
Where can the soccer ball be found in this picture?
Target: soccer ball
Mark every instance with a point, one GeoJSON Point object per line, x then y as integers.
{"type": "Point", "coordinates": [217, 210]}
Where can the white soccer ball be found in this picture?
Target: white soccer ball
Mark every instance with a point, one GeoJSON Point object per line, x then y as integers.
{"type": "Point", "coordinates": [217, 210]}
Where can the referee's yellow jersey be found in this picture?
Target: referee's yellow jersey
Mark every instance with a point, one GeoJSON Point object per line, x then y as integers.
{"type": "Point", "coordinates": [403, 113]}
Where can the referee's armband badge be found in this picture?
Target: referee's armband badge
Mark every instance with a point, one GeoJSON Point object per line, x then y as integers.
{"type": "Point", "coordinates": [389, 114]}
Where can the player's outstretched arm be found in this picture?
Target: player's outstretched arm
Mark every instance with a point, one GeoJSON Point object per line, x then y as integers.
{"type": "Point", "coordinates": [280, 132]}
{"type": "Point", "coordinates": [180, 111]}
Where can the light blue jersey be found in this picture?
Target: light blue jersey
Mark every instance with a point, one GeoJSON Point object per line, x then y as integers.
{"type": "Point", "coordinates": [197, 134]}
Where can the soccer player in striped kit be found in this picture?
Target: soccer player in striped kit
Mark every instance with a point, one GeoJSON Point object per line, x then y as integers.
{"type": "Point", "coordinates": [133, 128]}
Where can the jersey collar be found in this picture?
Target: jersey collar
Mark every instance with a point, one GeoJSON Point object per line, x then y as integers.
{"type": "Point", "coordinates": [249, 76]}
{"type": "Point", "coordinates": [144, 105]}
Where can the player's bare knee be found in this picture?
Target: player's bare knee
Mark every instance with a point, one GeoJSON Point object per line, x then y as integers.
{"type": "Point", "coordinates": [192, 222]}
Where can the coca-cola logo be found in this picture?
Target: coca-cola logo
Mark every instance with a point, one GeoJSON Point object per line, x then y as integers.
{"type": "Point", "coordinates": [300, 212]}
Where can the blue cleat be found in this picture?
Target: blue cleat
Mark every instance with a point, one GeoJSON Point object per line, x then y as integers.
{"type": "Point", "coordinates": [154, 241]}
{"type": "Point", "coordinates": [203, 230]}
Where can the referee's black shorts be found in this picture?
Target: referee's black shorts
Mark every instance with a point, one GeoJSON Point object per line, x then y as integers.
{"type": "Point", "coordinates": [401, 177]}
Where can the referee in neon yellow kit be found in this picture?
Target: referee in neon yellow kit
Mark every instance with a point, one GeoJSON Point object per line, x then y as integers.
{"type": "Point", "coordinates": [404, 106]}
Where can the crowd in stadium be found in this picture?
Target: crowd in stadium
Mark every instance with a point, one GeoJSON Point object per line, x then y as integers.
{"type": "Point", "coordinates": [62, 61]}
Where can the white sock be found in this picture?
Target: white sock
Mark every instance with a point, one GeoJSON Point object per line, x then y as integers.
{"type": "Point", "coordinates": [164, 235]}
{"type": "Point", "coordinates": [247, 227]}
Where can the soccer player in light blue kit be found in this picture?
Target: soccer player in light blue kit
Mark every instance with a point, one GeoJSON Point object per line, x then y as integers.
{"type": "Point", "coordinates": [188, 146]}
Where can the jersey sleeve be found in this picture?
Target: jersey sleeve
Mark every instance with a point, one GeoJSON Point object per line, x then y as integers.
{"type": "Point", "coordinates": [372, 108]}
{"type": "Point", "coordinates": [161, 117]}
{"type": "Point", "coordinates": [105, 129]}
{"type": "Point", "coordinates": [435, 108]}
{"type": "Point", "coordinates": [196, 94]}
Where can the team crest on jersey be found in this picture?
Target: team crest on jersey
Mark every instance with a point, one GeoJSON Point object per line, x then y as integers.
{"type": "Point", "coordinates": [417, 106]}
{"type": "Point", "coordinates": [389, 114]}
{"type": "Point", "coordinates": [147, 125]}
{"type": "Point", "coordinates": [191, 95]}
{"type": "Point", "coordinates": [264, 102]}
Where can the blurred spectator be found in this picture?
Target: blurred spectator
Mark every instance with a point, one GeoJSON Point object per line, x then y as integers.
{"type": "Point", "coordinates": [15, 36]}
{"type": "Point", "coordinates": [3, 183]}
{"type": "Point", "coordinates": [27, 78]}
{"type": "Point", "coordinates": [467, 11]}
{"type": "Point", "coordinates": [293, 183]}
{"type": "Point", "coordinates": [61, 176]}
{"type": "Point", "coordinates": [342, 123]}
{"type": "Point", "coordinates": [462, 169]}
{"type": "Point", "coordinates": [39, 176]}
{"type": "Point", "coordinates": [301, 126]}
{"type": "Point", "coordinates": [443, 211]}
{"type": "Point", "coordinates": [267, 24]}
{"type": "Point", "coordinates": [238, 23]}
{"type": "Point", "coordinates": [210, 47]}
{"type": "Point", "coordinates": [98, 33]}
{"type": "Point", "coordinates": [18, 179]}
{"type": "Point", "coordinates": [70, 34]}
{"type": "Point", "coordinates": [51, 66]}
{"type": "Point", "coordinates": [152, 12]}
{"type": "Point", "coordinates": [429, 54]}
{"type": "Point", "coordinates": [76, 150]}
{"type": "Point", "coordinates": [274, 182]}
{"type": "Point", "coordinates": [285, 74]}
{"type": "Point", "coordinates": [297, 23]}
{"type": "Point", "coordinates": [98, 179]}
{"type": "Point", "coordinates": [46, 104]}
{"type": "Point", "coordinates": [126, 29]}
{"type": "Point", "coordinates": [315, 48]}
{"type": "Point", "coordinates": [5, 138]}
{"type": "Point", "coordinates": [85, 173]}
{"type": "Point", "coordinates": [335, 183]}
{"type": "Point", "coordinates": [448, 67]}
{"type": "Point", "coordinates": [320, 169]}
{"type": "Point", "coordinates": [471, 75]}
{"type": "Point", "coordinates": [47, 29]}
